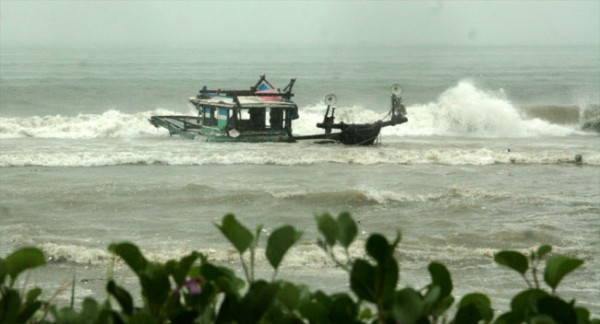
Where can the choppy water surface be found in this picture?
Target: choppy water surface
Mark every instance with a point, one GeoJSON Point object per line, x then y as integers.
{"type": "Point", "coordinates": [484, 163]}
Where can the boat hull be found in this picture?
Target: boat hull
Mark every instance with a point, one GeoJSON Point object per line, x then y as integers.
{"type": "Point", "coordinates": [190, 127]}
{"type": "Point", "coordinates": [349, 134]}
{"type": "Point", "coordinates": [360, 134]}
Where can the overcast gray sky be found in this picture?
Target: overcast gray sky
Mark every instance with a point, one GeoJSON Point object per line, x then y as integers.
{"type": "Point", "coordinates": [300, 22]}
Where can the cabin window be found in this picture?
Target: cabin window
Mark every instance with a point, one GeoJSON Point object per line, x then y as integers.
{"type": "Point", "coordinates": [276, 118]}
{"type": "Point", "coordinates": [257, 118]}
{"type": "Point", "coordinates": [222, 117]}
{"type": "Point", "coordinates": [288, 118]}
{"type": "Point", "coordinates": [209, 118]}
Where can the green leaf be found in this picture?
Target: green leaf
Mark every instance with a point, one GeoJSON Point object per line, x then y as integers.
{"type": "Point", "coordinates": [377, 247]}
{"type": "Point", "coordinates": [90, 309]}
{"type": "Point", "coordinates": [444, 305]}
{"type": "Point", "coordinates": [236, 233]}
{"type": "Point", "coordinates": [23, 259]}
{"type": "Point", "coordinates": [347, 229]}
{"type": "Point", "coordinates": [122, 296]}
{"type": "Point", "coordinates": [184, 316]}
{"type": "Point", "coordinates": [315, 308]}
{"type": "Point", "coordinates": [289, 295]}
{"type": "Point", "coordinates": [431, 297]}
{"type": "Point", "coordinates": [543, 250]}
{"type": "Point", "coordinates": [386, 278]}
{"type": "Point", "coordinates": [223, 277]}
{"type": "Point", "coordinates": [512, 259]}
{"type": "Point", "coordinates": [33, 294]}
{"type": "Point", "coordinates": [362, 280]}
{"type": "Point", "coordinates": [131, 254]}
{"type": "Point", "coordinates": [366, 315]}
{"type": "Point", "coordinates": [27, 311]}
{"type": "Point", "coordinates": [508, 318]}
{"type": "Point", "coordinates": [409, 306]}
{"type": "Point", "coordinates": [583, 315]}
{"type": "Point", "coordinates": [179, 270]}
{"type": "Point", "coordinates": [473, 308]}
{"type": "Point", "coordinates": [328, 228]}
{"type": "Point", "coordinates": [343, 309]}
{"type": "Point", "coordinates": [525, 303]}
{"type": "Point", "coordinates": [558, 309]}
{"type": "Point", "coordinates": [256, 302]}
{"type": "Point", "coordinates": [440, 276]}
{"type": "Point", "coordinates": [9, 306]}
{"type": "Point", "coordinates": [3, 271]}
{"type": "Point", "coordinates": [279, 242]}
{"type": "Point", "coordinates": [257, 233]}
{"type": "Point", "coordinates": [155, 286]}
{"type": "Point", "coordinates": [141, 318]}
{"type": "Point", "coordinates": [557, 267]}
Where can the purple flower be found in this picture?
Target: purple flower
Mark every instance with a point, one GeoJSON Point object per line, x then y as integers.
{"type": "Point", "coordinates": [193, 285]}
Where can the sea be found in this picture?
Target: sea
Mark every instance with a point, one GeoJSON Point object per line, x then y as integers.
{"type": "Point", "coordinates": [501, 151]}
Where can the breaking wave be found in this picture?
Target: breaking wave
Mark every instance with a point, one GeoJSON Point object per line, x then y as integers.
{"type": "Point", "coordinates": [363, 196]}
{"type": "Point", "coordinates": [192, 153]}
{"type": "Point", "coordinates": [462, 110]}
{"type": "Point", "coordinates": [465, 110]}
{"type": "Point", "coordinates": [110, 124]}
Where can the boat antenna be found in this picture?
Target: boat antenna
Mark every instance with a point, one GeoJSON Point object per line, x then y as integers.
{"type": "Point", "coordinates": [397, 106]}
{"type": "Point", "coordinates": [328, 120]}
{"type": "Point", "coordinates": [288, 88]}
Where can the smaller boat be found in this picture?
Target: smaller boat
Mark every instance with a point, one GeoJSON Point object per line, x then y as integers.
{"type": "Point", "coordinates": [358, 134]}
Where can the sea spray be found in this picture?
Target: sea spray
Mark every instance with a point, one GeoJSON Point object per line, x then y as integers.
{"type": "Point", "coordinates": [462, 110]}
{"type": "Point", "coordinates": [465, 110]}
{"type": "Point", "coordinates": [110, 124]}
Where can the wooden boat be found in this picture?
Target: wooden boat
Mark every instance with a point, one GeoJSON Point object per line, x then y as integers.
{"type": "Point", "coordinates": [241, 116]}
{"type": "Point", "coordinates": [237, 115]}
{"type": "Point", "coordinates": [358, 134]}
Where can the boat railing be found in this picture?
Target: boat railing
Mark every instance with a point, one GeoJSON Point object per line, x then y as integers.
{"type": "Point", "coordinates": [205, 93]}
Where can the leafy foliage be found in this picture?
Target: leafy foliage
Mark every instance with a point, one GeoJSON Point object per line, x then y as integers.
{"type": "Point", "coordinates": [13, 307]}
{"type": "Point", "coordinates": [536, 304]}
{"type": "Point", "coordinates": [194, 290]}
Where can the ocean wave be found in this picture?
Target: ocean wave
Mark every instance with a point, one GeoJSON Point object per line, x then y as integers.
{"type": "Point", "coordinates": [463, 110]}
{"type": "Point", "coordinates": [189, 153]}
{"type": "Point", "coordinates": [364, 196]}
{"type": "Point", "coordinates": [303, 255]}
{"type": "Point", "coordinates": [412, 253]}
{"type": "Point", "coordinates": [563, 114]}
{"type": "Point", "coordinates": [110, 124]}
{"type": "Point", "coordinates": [70, 253]}
{"type": "Point", "coordinates": [467, 111]}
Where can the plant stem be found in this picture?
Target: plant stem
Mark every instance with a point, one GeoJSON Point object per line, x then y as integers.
{"type": "Point", "coordinates": [527, 281]}
{"type": "Point", "coordinates": [245, 267]}
{"type": "Point", "coordinates": [535, 279]}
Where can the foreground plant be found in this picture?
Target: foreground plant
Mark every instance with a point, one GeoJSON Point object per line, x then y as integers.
{"type": "Point", "coordinates": [194, 290]}
{"type": "Point", "coordinates": [14, 307]}
{"type": "Point", "coordinates": [536, 304]}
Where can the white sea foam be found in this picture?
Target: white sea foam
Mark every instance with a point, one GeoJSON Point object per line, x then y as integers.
{"type": "Point", "coordinates": [462, 110]}
{"type": "Point", "coordinates": [185, 152]}
{"type": "Point", "coordinates": [465, 110]}
{"type": "Point", "coordinates": [74, 253]}
{"type": "Point", "coordinates": [110, 124]}
{"type": "Point", "coordinates": [302, 255]}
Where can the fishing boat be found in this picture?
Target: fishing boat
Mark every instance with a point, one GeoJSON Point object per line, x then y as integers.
{"type": "Point", "coordinates": [237, 115]}
{"type": "Point", "coordinates": [241, 116]}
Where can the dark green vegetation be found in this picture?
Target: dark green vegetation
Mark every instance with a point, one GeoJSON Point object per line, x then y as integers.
{"type": "Point", "coordinates": [194, 290]}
